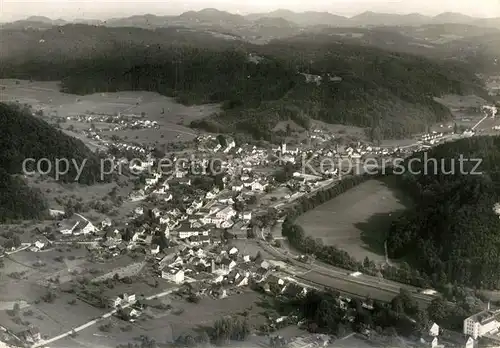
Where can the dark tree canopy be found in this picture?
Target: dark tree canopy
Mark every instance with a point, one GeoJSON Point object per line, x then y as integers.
{"type": "Point", "coordinates": [388, 93]}
{"type": "Point", "coordinates": [453, 233]}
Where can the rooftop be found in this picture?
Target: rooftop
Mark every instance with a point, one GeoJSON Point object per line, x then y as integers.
{"type": "Point", "coordinates": [171, 270]}
{"type": "Point", "coordinates": [486, 316]}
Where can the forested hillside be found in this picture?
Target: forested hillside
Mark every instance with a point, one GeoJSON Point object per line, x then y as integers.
{"type": "Point", "coordinates": [78, 40]}
{"type": "Point", "coordinates": [18, 201]}
{"type": "Point", "coordinates": [24, 136]}
{"type": "Point", "coordinates": [390, 94]}
{"type": "Point", "coordinates": [453, 232]}
{"type": "Point", "coordinates": [471, 45]}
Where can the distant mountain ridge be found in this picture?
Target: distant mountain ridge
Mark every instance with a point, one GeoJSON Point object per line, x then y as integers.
{"type": "Point", "coordinates": [389, 19]}
{"type": "Point", "coordinates": [303, 19]}
{"type": "Point", "coordinates": [307, 18]}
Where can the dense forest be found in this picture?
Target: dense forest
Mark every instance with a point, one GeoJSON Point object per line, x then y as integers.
{"type": "Point", "coordinates": [18, 201]}
{"type": "Point", "coordinates": [453, 231]}
{"type": "Point", "coordinates": [324, 314]}
{"type": "Point", "coordinates": [389, 93]}
{"type": "Point", "coordinates": [24, 136]}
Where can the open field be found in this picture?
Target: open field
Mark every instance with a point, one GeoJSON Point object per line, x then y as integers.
{"type": "Point", "coordinates": [351, 340]}
{"type": "Point", "coordinates": [458, 101]}
{"type": "Point", "coordinates": [356, 221]}
{"type": "Point", "coordinates": [34, 269]}
{"type": "Point", "coordinates": [205, 313]}
{"type": "Point", "coordinates": [341, 131]}
{"type": "Point", "coordinates": [172, 117]}
{"type": "Point", "coordinates": [51, 318]}
{"type": "Point", "coordinates": [170, 132]}
{"type": "Point", "coordinates": [184, 317]}
{"type": "Point", "coordinates": [26, 231]}
{"type": "Point", "coordinates": [57, 193]}
{"type": "Point", "coordinates": [57, 316]}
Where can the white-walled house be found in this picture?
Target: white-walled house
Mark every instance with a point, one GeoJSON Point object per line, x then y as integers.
{"type": "Point", "coordinates": [256, 186]}
{"type": "Point", "coordinates": [186, 231]}
{"type": "Point", "coordinates": [122, 300]}
{"type": "Point", "coordinates": [56, 213]}
{"type": "Point", "coordinates": [237, 187]}
{"type": "Point", "coordinates": [210, 195]}
{"type": "Point", "coordinates": [156, 212]}
{"type": "Point", "coordinates": [226, 213]}
{"type": "Point", "coordinates": [469, 342]}
{"type": "Point", "coordinates": [174, 275]}
{"type": "Point", "coordinates": [233, 251]}
{"type": "Point", "coordinates": [106, 223]}
{"type": "Point", "coordinates": [84, 228]}
{"type": "Point", "coordinates": [155, 249]}
{"type": "Point", "coordinates": [434, 330]}
{"type": "Point", "coordinates": [76, 225]}
{"type": "Point", "coordinates": [432, 342]}
{"type": "Point", "coordinates": [481, 323]}
{"type": "Point", "coordinates": [227, 264]}
{"type": "Point", "coordinates": [68, 229]}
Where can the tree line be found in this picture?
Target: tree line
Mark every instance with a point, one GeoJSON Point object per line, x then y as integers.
{"type": "Point", "coordinates": [452, 232]}
{"type": "Point", "coordinates": [24, 136]}
{"type": "Point", "coordinates": [390, 94]}
{"type": "Point", "coordinates": [449, 238]}
{"type": "Point", "coordinates": [334, 256]}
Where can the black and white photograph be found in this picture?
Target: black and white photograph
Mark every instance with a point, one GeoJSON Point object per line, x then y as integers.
{"type": "Point", "coordinates": [264, 174]}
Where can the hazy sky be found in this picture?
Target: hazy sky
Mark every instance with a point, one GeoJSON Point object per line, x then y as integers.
{"type": "Point", "coordinates": [101, 9]}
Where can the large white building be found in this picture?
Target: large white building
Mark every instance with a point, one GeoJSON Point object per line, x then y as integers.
{"type": "Point", "coordinates": [172, 274]}
{"type": "Point", "coordinates": [482, 323]}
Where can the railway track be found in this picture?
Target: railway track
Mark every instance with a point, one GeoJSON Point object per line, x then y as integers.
{"type": "Point", "coordinates": [362, 280]}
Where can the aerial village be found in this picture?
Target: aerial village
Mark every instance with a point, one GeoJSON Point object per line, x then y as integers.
{"type": "Point", "coordinates": [184, 218]}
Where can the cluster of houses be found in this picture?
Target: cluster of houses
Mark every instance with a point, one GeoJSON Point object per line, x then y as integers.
{"type": "Point", "coordinates": [431, 138]}
{"type": "Point", "coordinates": [117, 122]}
{"type": "Point", "coordinates": [317, 79]}
{"type": "Point", "coordinates": [483, 324]}
{"type": "Point", "coordinates": [206, 212]}
{"type": "Point", "coordinates": [114, 123]}
{"type": "Point", "coordinates": [196, 259]}
{"type": "Point", "coordinates": [76, 225]}
{"type": "Point", "coordinates": [218, 273]}
{"type": "Point", "coordinates": [435, 337]}
{"type": "Point", "coordinates": [353, 152]}
{"type": "Point", "coordinates": [210, 143]}
{"type": "Point", "coordinates": [493, 85]}
{"type": "Point", "coordinates": [320, 136]}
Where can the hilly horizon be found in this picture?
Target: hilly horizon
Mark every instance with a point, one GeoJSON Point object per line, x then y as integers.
{"type": "Point", "coordinates": [304, 19]}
